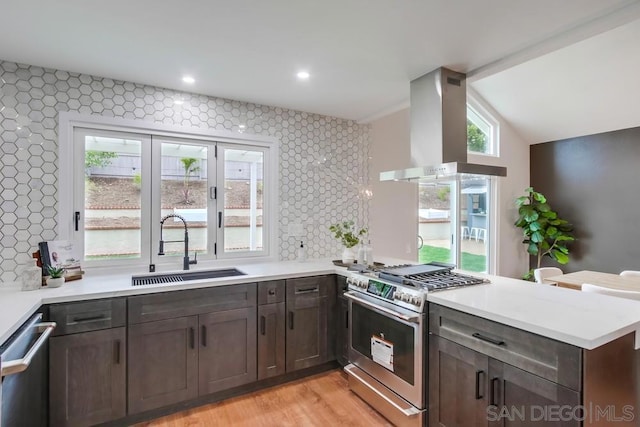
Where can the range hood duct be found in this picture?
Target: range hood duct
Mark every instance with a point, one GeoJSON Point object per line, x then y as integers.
{"type": "Point", "coordinates": [439, 131]}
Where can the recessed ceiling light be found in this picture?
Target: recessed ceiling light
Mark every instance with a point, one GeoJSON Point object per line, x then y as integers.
{"type": "Point", "coordinates": [178, 101]}
{"type": "Point", "coordinates": [303, 75]}
{"type": "Point", "coordinates": [188, 79]}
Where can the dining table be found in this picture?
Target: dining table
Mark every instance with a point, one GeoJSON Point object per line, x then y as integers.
{"type": "Point", "coordinates": [608, 280]}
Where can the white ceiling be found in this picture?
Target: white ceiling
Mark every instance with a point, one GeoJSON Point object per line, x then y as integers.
{"type": "Point", "coordinates": [361, 53]}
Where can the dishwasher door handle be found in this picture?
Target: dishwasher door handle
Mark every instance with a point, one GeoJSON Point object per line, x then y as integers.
{"type": "Point", "coordinates": [11, 367]}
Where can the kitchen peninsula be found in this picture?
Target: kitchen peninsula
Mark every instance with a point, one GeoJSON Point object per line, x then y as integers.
{"type": "Point", "coordinates": [563, 319]}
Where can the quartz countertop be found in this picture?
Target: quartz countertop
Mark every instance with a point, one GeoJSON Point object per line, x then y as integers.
{"type": "Point", "coordinates": [582, 319]}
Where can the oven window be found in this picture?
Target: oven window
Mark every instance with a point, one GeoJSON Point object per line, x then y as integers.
{"type": "Point", "coordinates": [367, 323]}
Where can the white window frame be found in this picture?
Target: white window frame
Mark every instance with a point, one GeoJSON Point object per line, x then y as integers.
{"type": "Point", "coordinates": [69, 121]}
{"type": "Point", "coordinates": [479, 116]}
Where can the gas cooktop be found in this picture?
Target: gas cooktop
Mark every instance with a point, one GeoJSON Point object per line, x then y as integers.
{"type": "Point", "coordinates": [408, 284]}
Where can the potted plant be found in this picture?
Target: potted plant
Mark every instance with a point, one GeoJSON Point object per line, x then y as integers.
{"type": "Point", "coordinates": [56, 277]}
{"type": "Point", "coordinates": [346, 233]}
{"type": "Point", "coordinates": [545, 233]}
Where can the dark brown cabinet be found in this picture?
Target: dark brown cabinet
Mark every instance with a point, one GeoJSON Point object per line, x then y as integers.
{"type": "Point", "coordinates": [471, 382]}
{"type": "Point", "coordinates": [342, 322]}
{"type": "Point", "coordinates": [458, 384]}
{"type": "Point", "coordinates": [163, 363]}
{"type": "Point", "coordinates": [309, 337]}
{"type": "Point", "coordinates": [187, 344]}
{"type": "Point", "coordinates": [227, 354]}
{"type": "Point", "coordinates": [88, 369]}
{"type": "Point", "coordinates": [271, 329]}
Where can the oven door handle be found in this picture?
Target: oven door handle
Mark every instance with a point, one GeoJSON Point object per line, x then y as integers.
{"type": "Point", "coordinates": [383, 310]}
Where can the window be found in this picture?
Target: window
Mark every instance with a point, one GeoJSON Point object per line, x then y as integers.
{"type": "Point", "coordinates": [481, 131]}
{"type": "Point", "coordinates": [125, 182]}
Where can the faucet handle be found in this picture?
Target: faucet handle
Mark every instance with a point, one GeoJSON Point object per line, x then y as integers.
{"type": "Point", "coordinates": [195, 258]}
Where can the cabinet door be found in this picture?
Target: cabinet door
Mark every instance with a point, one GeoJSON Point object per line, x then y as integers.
{"type": "Point", "coordinates": [306, 332]}
{"type": "Point", "coordinates": [519, 398]}
{"type": "Point", "coordinates": [271, 340]}
{"type": "Point", "coordinates": [163, 363]}
{"type": "Point", "coordinates": [87, 378]}
{"type": "Point", "coordinates": [458, 385]}
{"type": "Point", "coordinates": [342, 331]}
{"type": "Point", "coordinates": [228, 356]}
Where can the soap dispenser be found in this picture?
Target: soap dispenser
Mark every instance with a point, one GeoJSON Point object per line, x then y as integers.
{"type": "Point", "coordinates": [302, 256]}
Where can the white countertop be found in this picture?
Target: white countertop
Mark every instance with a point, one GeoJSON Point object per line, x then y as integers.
{"type": "Point", "coordinates": [582, 319]}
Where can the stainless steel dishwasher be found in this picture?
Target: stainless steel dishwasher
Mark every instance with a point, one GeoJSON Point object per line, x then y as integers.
{"type": "Point", "coordinates": [24, 369]}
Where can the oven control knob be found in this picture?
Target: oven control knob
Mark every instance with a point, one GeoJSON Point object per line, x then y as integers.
{"type": "Point", "coordinates": [362, 283]}
{"type": "Point", "coordinates": [349, 281]}
{"type": "Point", "coordinates": [397, 295]}
{"type": "Point", "coordinates": [415, 300]}
{"type": "Point", "coordinates": [406, 297]}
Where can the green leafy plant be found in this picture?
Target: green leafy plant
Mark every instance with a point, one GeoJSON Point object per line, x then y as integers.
{"type": "Point", "coordinates": [56, 272]}
{"type": "Point", "coordinates": [190, 166]}
{"type": "Point", "coordinates": [95, 158]}
{"type": "Point", "coordinates": [345, 232]}
{"type": "Point", "coordinates": [545, 233]}
{"type": "Point", "coordinates": [137, 180]}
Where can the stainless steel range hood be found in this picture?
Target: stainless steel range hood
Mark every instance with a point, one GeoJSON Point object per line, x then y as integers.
{"type": "Point", "coordinates": [439, 131]}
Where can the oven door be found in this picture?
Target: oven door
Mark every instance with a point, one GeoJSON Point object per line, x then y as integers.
{"type": "Point", "coordinates": [386, 341]}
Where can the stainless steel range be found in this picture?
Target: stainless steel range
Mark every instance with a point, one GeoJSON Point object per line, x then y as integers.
{"type": "Point", "coordinates": [387, 344]}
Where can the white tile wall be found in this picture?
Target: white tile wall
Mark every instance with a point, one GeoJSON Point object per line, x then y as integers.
{"type": "Point", "coordinates": [323, 160]}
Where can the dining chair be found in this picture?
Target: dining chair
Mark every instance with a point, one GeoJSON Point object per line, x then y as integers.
{"type": "Point", "coordinates": [588, 287]}
{"type": "Point", "coordinates": [539, 274]}
{"type": "Point", "coordinates": [630, 273]}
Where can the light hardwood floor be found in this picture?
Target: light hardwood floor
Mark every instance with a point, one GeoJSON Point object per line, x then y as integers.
{"type": "Point", "coordinates": [320, 400]}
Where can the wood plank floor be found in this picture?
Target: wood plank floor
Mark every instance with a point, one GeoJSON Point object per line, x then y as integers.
{"type": "Point", "coordinates": [320, 400]}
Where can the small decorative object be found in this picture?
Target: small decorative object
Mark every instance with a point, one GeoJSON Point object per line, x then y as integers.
{"type": "Point", "coordinates": [31, 276]}
{"type": "Point", "coordinates": [345, 232]}
{"type": "Point", "coordinates": [56, 277]}
{"type": "Point", "coordinates": [545, 233]}
{"type": "Point", "coordinates": [302, 256]}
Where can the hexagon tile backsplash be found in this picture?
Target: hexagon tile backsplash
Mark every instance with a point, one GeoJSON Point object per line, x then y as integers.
{"type": "Point", "coordinates": [323, 160]}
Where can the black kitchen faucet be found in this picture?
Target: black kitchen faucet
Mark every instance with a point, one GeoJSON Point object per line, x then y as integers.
{"type": "Point", "coordinates": [186, 262]}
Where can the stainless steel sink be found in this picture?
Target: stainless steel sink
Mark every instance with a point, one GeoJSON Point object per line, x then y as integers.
{"type": "Point", "coordinates": [185, 276]}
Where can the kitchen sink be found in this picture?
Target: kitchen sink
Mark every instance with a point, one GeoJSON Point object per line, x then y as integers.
{"type": "Point", "coordinates": [185, 276]}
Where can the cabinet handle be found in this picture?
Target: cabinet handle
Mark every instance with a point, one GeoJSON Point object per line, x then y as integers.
{"type": "Point", "coordinates": [219, 219]}
{"type": "Point", "coordinates": [89, 318]}
{"type": "Point", "coordinates": [76, 219]}
{"type": "Point", "coordinates": [192, 338]}
{"type": "Point", "coordinates": [271, 291]}
{"type": "Point", "coordinates": [263, 325]}
{"type": "Point", "coordinates": [478, 374]}
{"type": "Point", "coordinates": [116, 352]}
{"type": "Point", "coordinates": [307, 290]}
{"type": "Point", "coordinates": [291, 320]}
{"type": "Point", "coordinates": [488, 339]}
{"type": "Point", "coordinates": [203, 335]}
{"type": "Point", "coordinates": [494, 382]}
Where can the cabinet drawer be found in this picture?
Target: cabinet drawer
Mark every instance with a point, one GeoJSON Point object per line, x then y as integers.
{"type": "Point", "coordinates": [316, 286]}
{"type": "Point", "coordinates": [168, 305]}
{"type": "Point", "coordinates": [547, 358]}
{"type": "Point", "coordinates": [87, 315]}
{"type": "Point", "coordinates": [271, 292]}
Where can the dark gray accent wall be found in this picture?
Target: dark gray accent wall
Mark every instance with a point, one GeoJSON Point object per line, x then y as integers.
{"type": "Point", "coordinates": [594, 182]}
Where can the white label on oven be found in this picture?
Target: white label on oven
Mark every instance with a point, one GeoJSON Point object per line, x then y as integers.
{"type": "Point", "coordinates": [382, 352]}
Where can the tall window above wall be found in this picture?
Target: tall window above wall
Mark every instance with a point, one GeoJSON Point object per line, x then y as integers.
{"type": "Point", "coordinates": [482, 131]}
{"type": "Point", "coordinates": [118, 182]}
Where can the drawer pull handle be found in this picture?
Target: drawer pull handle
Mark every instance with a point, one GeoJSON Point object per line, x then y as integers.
{"type": "Point", "coordinates": [494, 383]}
{"type": "Point", "coordinates": [488, 339]}
{"type": "Point", "coordinates": [263, 325]}
{"type": "Point", "coordinates": [307, 290]}
{"type": "Point", "coordinates": [89, 318]}
{"type": "Point", "coordinates": [478, 374]}
{"type": "Point", "coordinates": [271, 292]}
{"type": "Point", "coordinates": [116, 352]}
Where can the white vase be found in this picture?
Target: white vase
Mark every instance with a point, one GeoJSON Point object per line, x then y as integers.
{"type": "Point", "coordinates": [348, 256]}
{"type": "Point", "coordinates": [55, 283]}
